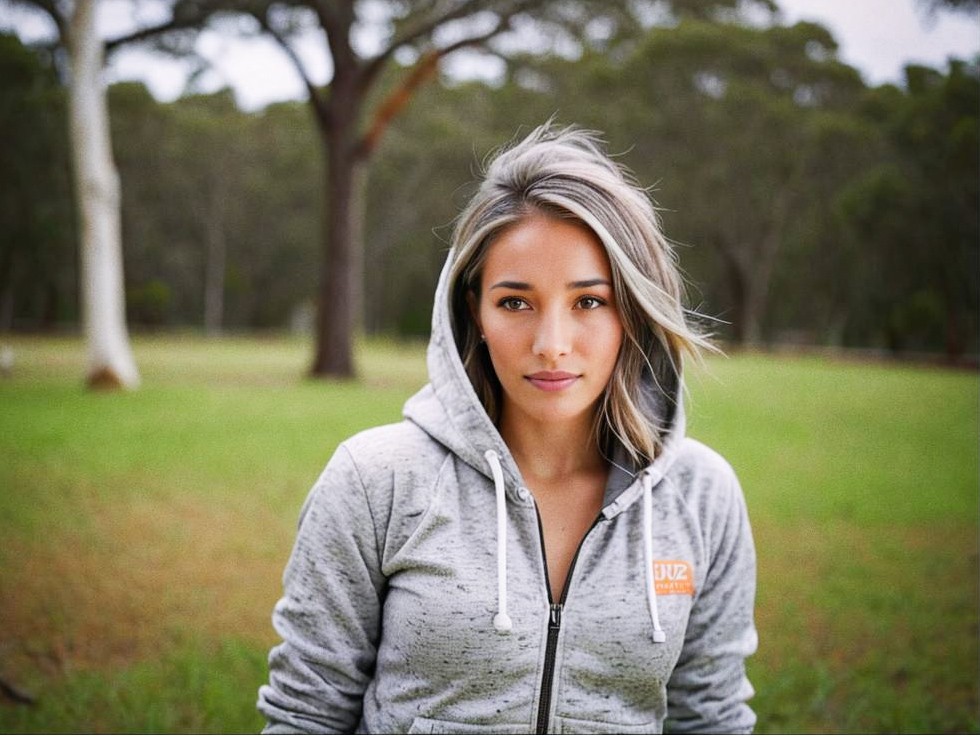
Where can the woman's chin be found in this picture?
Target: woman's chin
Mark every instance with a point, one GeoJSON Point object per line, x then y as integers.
{"type": "Point", "coordinates": [558, 410]}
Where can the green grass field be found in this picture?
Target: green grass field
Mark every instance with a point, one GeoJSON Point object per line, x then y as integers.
{"type": "Point", "coordinates": [144, 534]}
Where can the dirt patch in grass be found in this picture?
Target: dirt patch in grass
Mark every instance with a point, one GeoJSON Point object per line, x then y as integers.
{"type": "Point", "coordinates": [140, 575]}
{"type": "Point", "coordinates": [860, 623]}
{"type": "Point", "coordinates": [836, 577]}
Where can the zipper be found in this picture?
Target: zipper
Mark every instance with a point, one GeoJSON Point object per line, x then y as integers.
{"type": "Point", "coordinates": [547, 679]}
{"type": "Point", "coordinates": [554, 625]}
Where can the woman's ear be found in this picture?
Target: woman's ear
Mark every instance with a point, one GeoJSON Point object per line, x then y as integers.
{"type": "Point", "coordinates": [474, 311]}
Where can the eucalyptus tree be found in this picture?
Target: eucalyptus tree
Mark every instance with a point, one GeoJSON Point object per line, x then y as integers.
{"type": "Point", "coordinates": [211, 129]}
{"type": "Point", "coordinates": [355, 109]}
{"type": "Point", "coordinates": [916, 210]}
{"type": "Point", "coordinates": [353, 113]}
{"type": "Point", "coordinates": [96, 178]}
{"type": "Point", "coordinates": [96, 185]}
{"type": "Point", "coordinates": [729, 121]}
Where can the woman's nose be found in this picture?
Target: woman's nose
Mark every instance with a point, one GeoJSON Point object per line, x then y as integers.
{"type": "Point", "coordinates": [553, 337]}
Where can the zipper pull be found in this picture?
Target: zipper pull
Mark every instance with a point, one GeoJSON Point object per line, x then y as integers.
{"type": "Point", "coordinates": [554, 622]}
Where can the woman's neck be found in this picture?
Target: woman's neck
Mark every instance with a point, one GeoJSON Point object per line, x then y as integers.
{"type": "Point", "coordinates": [549, 451]}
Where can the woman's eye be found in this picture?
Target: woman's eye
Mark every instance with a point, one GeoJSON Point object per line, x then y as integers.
{"type": "Point", "coordinates": [590, 302]}
{"type": "Point", "coordinates": [512, 303]}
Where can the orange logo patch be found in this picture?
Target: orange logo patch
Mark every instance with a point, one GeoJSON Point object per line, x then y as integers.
{"type": "Point", "coordinates": [673, 577]}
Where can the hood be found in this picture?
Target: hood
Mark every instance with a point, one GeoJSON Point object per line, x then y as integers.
{"type": "Point", "coordinates": [449, 410]}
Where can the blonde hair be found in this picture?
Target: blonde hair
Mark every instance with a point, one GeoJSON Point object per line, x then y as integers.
{"type": "Point", "coordinates": [565, 173]}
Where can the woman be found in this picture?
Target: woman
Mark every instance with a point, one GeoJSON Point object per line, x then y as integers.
{"type": "Point", "coordinates": [537, 546]}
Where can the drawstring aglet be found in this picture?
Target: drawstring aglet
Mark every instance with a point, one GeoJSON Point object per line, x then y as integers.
{"type": "Point", "coordinates": [502, 623]}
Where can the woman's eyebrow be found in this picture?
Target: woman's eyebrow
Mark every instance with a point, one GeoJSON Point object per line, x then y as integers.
{"type": "Point", "coordinates": [521, 286]}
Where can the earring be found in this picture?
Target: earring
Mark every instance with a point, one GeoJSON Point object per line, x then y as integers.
{"type": "Point", "coordinates": [483, 337]}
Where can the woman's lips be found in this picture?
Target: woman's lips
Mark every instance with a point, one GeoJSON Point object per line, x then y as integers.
{"type": "Point", "coordinates": [552, 380]}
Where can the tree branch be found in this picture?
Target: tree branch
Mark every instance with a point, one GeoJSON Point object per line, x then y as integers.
{"type": "Point", "coordinates": [144, 34]}
{"type": "Point", "coordinates": [424, 69]}
{"type": "Point", "coordinates": [396, 101]}
{"type": "Point", "coordinates": [375, 65]}
{"type": "Point", "coordinates": [336, 18]}
{"type": "Point", "coordinates": [502, 24]}
{"type": "Point", "coordinates": [186, 14]}
{"type": "Point", "coordinates": [319, 105]}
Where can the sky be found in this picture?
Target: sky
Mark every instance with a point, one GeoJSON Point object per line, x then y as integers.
{"type": "Point", "coordinates": [877, 36]}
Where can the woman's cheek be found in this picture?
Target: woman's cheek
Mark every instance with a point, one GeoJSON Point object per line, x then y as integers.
{"type": "Point", "coordinates": [503, 346]}
{"type": "Point", "coordinates": [604, 340]}
{"type": "Point", "coordinates": [505, 334]}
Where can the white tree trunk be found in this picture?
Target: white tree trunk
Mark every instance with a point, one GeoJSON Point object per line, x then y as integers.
{"type": "Point", "coordinates": [110, 359]}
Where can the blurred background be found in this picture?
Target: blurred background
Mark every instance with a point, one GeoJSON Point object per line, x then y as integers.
{"type": "Point", "coordinates": [288, 174]}
{"type": "Point", "coordinates": [813, 201]}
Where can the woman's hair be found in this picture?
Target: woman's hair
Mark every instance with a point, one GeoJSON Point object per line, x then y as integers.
{"type": "Point", "coordinates": [564, 173]}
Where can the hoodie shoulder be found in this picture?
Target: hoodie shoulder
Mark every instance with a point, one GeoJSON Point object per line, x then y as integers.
{"type": "Point", "coordinates": [706, 482]}
{"type": "Point", "coordinates": [398, 466]}
{"type": "Point", "coordinates": [697, 459]}
{"type": "Point", "coordinates": [385, 453]}
{"type": "Point", "coordinates": [390, 443]}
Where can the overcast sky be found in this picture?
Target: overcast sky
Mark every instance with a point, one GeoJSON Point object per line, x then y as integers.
{"type": "Point", "coordinates": [877, 36]}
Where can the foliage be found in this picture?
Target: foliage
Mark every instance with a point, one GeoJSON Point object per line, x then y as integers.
{"type": "Point", "coordinates": [37, 263]}
{"type": "Point", "coordinates": [198, 167]}
{"type": "Point", "coordinates": [805, 206]}
{"type": "Point", "coordinates": [919, 205]}
{"type": "Point", "coordinates": [743, 130]}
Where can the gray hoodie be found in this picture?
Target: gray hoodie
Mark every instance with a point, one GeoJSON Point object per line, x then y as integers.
{"type": "Point", "coordinates": [416, 597]}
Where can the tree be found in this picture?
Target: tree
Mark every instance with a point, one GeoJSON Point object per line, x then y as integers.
{"type": "Point", "coordinates": [917, 209]}
{"type": "Point", "coordinates": [97, 192]}
{"type": "Point", "coordinates": [37, 264]}
{"type": "Point", "coordinates": [348, 146]}
{"type": "Point", "coordinates": [729, 119]}
{"type": "Point", "coordinates": [97, 187]}
{"type": "Point", "coordinates": [210, 128]}
{"type": "Point", "coordinates": [110, 358]}
{"type": "Point", "coordinates": [353, 113]}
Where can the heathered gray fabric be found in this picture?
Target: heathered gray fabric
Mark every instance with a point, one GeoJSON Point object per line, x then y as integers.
{"type": "Point", "coordinates": [391, 589]}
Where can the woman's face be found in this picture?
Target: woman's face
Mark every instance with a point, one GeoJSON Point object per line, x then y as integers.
{"type": "Point", "coordinates": [547, 311]}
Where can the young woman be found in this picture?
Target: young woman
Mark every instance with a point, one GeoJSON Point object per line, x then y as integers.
{"type": "Point", "coordinates": [537, 547]}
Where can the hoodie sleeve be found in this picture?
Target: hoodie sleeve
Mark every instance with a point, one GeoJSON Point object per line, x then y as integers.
{"type": "Point", "coordinates": [330, 612]}
{"type": "Point", "coordinates": [708, 689]}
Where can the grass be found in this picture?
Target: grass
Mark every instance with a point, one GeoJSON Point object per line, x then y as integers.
{"type": "Point", "coordinates": [144, 534]}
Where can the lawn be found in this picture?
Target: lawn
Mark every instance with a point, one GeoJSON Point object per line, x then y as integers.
{"type": "Point", "coordinates": [144, 534]}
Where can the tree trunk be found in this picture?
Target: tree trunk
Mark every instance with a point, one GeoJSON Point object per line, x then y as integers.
{"type": "Point", "coordinates": [7, 310]}
{"type": "Point", "coordinates": [214, 267]}
{"type": "Point", "coordinates": [751, 308]}
{"type": "Point", "coordinates": [6, 290]}
{"type": "Point", "coordinates": [339, 300]}
{"type": "Point", "coordinates": [110, 359]}
{"type": "Point", "coordinates": [738, 284]}
{"type": "Point", "coordinates": [742, 286]}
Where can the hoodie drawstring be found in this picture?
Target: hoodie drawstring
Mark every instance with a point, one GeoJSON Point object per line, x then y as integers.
{"type": "Point", "coordinates": [501, 621]}
{"type": "Point", "coordinates": [658, 634]}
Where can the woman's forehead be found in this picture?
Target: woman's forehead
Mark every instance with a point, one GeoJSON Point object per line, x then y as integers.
{"type": "Point", "coordinates": [546, 250]}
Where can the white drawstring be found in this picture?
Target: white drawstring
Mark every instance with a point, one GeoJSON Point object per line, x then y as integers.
{"type": "Point", "coordinates": [658, 634]}
{"type": "Point", "coordinates": [501, 621]}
